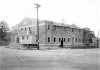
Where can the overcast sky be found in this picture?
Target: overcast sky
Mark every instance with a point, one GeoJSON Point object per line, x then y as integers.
{"type": "Point", "coordinates": [84, 13]}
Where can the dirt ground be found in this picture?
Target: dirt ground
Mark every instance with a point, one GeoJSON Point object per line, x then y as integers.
{"type": "Point", "coordinates": [58, 59]}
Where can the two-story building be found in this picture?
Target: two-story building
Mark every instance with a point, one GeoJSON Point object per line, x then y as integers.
{"type": "Point", "coordinates": [51, 34]}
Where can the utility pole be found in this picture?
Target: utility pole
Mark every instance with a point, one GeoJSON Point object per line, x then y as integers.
{"type": "Point", "coordinates": [98, 40]}
{"type": "Point", "coordinates": [37, 36]}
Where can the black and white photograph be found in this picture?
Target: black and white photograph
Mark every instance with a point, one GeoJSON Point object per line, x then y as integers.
{"type": "Point", "coordinates": [49, 34]}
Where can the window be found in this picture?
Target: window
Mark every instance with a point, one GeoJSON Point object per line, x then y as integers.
{"type": "Point", "coordinates": [64, 39]}
{"type": "Point", "coordinates": [68, 39]}
{"type": "Point", "coordinates": [17, 39]}
{"type": "Point", "coordinates": [27, 37]}
{"type": "Point", "coordinates": [48, 27]}
{"type": "Point", "coordinates": [54, 39]}
{"type": "Point", "coordinates": [29, 28]}
{"type": "Point", "coordinates": [21, 29]}
{"type": "Point", "coordinates": [72, 30]}
{"type": "Point", "coordinates": [55, 33]}
{"type": "Point", "coordinates": [90, 40]}
{"type": "Point", "coordinates": [48, 39]}
{"type": "Point", "coordinates": [54, 27]}
{"type": "Point", "coordinates": [22, 37]}
{"type": "Point", "coordinates": [59, 39]}
{"type": "Point", "coordinates": [72, 39]}
{"type": "Point", "coordinates": [79, 30]}
{"type": "Point", "coordinates": [25, 28]}
{"type": "Point", "coordinates": [76, 40]}
{"type": "Point", "coordinates": [79, 40]}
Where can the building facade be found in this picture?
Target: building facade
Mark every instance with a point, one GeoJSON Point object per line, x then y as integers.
{"type": "Point", "coordinates": [51, 34]}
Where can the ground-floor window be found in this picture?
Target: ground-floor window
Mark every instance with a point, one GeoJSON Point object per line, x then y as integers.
{"type": "Point", "coordinates": [22, 37]}
{"type": "Point", "coordinates": [27, 37]}
{"type": "Point", "coordinates": [79, 40]}
{"type": "Point", "coordinates": [59, 39]}
{"type": "Point", "coordinates": [54, 39]}
{"type": "Point", "coordinates": [48, 39]}
{"type": "Point", "coordinates": [17, 39]}
{"type": "Point", "coordinates": [64, 39]}
{"type": "Point", "coordinates": [68, 39]}
{"type": "Point", "coordinates": [76, 40]}
{"type": "Point", "coordinates": [90, 40]}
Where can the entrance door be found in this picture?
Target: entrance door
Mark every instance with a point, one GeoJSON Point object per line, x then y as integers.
{"type": "Point", "coordinates": [61, 43]}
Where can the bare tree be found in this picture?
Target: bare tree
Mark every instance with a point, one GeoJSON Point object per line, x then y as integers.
{"type": "Point", "coordinates": [4, 32]}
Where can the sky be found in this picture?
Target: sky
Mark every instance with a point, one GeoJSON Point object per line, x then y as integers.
{"type": "Point", "coordinates": [83, 13]}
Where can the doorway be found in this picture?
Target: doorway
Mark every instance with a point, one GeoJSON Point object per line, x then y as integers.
{"type": "Point", "coordinates": [62, 43]}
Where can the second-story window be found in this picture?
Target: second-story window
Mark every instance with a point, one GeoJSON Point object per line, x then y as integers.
{"type": "Point", "coordinates": [25, 28]}
{"type": "Point", "coordinates": [72, 29]}
{"type": "Point", "coordinates": [79, 30]}
{"type": "Point", "coordinates": [48, 27]}
{"type": "Point", "coordinates": [22, 37]}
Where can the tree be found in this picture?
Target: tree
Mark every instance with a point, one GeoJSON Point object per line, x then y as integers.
{"type": "Point", "coordinates": [3, 32]}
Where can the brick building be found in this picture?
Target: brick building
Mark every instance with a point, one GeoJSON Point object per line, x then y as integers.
{"type": "Point", "coordinates": [51, 34]}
